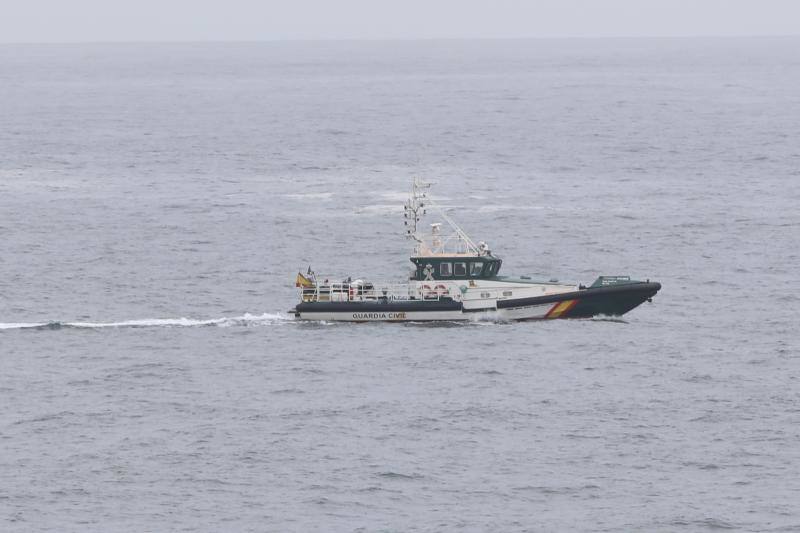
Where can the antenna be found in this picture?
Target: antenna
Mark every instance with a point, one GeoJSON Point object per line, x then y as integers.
{"type": "Point", "coordinates": [414, 209]}
{"type": "Point", "coordinates": [417, 206]}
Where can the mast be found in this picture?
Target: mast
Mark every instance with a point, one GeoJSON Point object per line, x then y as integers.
{"type": "Point", "coordinates": [416, 208]}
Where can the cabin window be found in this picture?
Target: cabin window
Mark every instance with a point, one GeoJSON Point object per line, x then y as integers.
{"type": "Point", "coordinates": [460, 269]}
{"type": "Point", "coordinates": [490, 270]}
{"type": "Point", "coordinates": [475, 269]}
{"type": "Point", "coordinates": [446, 269]}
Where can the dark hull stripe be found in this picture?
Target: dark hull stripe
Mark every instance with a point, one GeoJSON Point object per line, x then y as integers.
{"type": "Point", "coordinates": [644, 289]}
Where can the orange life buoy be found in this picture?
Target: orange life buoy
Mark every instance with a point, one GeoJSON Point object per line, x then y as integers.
{"type": "Point", "coordinates": [441, 290]}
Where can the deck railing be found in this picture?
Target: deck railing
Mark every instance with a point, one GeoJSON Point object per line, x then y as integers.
{"type": "Point", "coordinates": [365, 291]}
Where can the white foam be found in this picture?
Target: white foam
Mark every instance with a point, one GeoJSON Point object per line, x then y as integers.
{"type": "Point", "coordinates": [244, 320]}
{"type": "Point", "coordinates": [20, 325]}
{"type": "Point", "coordinates": [396, 197]}
{"type": "Point", "coordinates": [486, 318]}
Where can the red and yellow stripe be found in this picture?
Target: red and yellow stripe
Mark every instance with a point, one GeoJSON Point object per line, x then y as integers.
{"type": "Point", "coordinates": [560, 308]}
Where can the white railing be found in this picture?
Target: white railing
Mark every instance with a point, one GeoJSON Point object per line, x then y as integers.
{"type": "Point", "coordinates": [367, 291]}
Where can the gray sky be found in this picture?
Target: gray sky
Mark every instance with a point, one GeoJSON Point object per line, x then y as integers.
{"type": "Point", "coordinates": [246, 20]}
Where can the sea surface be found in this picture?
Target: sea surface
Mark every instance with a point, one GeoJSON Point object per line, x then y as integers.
{"type": "Point", "coordinates": [157, 201]}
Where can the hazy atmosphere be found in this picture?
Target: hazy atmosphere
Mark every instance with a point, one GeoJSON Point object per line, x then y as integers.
{"type": "Point", "coordinates": [253, 20]}
{"type": "Point", "coordinates": [161, 365]}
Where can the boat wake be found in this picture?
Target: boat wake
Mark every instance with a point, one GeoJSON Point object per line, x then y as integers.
{"type": "Point", "coordinates": [246, 320]}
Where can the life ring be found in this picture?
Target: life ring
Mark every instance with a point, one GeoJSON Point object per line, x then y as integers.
{"type": "Point", "coordinates": [428, 292]}
{"type": "Point", "coordinates": [441, 290]}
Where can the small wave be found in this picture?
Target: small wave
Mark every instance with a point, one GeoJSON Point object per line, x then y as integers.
{"type": "Point", "coordinates": [243, 321]}
{"type": "Point", "coordinates": [310, 196]}
{"type": "Point", "coordinates": [604, 318]}
{"type": "Point", "coordinates": [379, 209]}
{"type": "Point", "coordinates": [397, 475]}
{"type": "Point", "coordinates": [707, 523]}
{"type": "Point", "coordinates": [499, 208]}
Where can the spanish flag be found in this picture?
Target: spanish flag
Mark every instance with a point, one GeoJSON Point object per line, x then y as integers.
{"type": "Point", "coordinates": [303, 281]}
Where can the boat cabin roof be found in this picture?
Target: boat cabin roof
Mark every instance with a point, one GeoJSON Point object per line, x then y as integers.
{"type": "Point", "coordinates": [447, 254]}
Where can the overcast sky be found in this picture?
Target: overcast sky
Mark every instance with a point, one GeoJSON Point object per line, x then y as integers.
{"type": "Point", "coordinates": [248, 20]}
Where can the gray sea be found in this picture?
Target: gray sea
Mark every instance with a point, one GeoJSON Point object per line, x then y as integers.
{"type": "Point", "coordinates": [156, 202]}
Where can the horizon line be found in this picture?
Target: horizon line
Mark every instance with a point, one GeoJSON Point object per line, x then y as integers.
{"type": "Point", "coordinates": [408, 39]}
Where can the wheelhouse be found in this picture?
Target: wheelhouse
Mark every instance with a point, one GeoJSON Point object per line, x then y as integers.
{"type": "Point", "coordinates": [457, 267]}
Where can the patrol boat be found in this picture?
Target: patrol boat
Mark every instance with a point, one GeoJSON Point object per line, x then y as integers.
{"type": "Point", "coordinates": [455, 279]}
